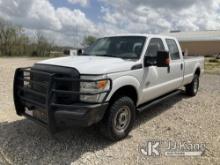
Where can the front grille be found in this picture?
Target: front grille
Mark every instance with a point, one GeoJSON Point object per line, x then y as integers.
{"type": "Point", "coordinates": [42, 90]}
{"type": "Point", "coordinates": [59, 72]}
{"type": "Point", "coordinates": [49, 87]}
{"type": "Point", "coordinates": [37, 86]}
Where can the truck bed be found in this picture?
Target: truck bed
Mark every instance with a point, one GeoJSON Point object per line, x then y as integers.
{"type": "Point", "coordinates": [191, 63]}
{"type": "Point", "coordinates": [192, 57]}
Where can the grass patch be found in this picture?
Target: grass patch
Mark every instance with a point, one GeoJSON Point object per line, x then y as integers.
{"type": "Point", "coordinates": [212, 65]}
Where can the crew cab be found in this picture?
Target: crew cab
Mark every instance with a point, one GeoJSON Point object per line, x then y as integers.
{"type": "Point", "coordinates": [106, 84]}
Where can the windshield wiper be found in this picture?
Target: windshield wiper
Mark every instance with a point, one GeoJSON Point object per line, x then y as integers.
{"type": "Point", "coordinates": [86, 54]}
{"type": "Point", "coordinates": [107, 55]}
{"type": "Point", "coordinates": [125, 58]}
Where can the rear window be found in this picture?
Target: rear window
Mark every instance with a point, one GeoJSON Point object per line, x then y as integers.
{"type": "Point", "coordinates": [173, 49]}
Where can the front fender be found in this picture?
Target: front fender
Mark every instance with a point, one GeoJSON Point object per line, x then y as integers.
{"type": "Point", "coordinates": [124, 81]}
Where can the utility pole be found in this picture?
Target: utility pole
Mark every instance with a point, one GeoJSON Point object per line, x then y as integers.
{"type": "Point", "coordinates": [75, 36]}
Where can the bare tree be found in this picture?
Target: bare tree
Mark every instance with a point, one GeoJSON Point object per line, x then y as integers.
{"type": "Point", "coordinates": [43, 46]}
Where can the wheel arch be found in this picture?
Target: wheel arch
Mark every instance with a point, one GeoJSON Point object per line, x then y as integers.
{"type": "Point", "coordinates": [127, 86]}
{"type": "Point", "coordinates": [127, 90]}
{"type": "Point", "coordinates": [197, 71]}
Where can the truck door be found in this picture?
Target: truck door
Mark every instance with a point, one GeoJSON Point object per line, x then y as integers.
{"type": "Point", "coordinates": [156, 81]}
{"type": "Point", "coordinates": [176, 63]}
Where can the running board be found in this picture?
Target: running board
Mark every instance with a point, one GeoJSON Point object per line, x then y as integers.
{"type": "Point", "coordinates": [158, 100]}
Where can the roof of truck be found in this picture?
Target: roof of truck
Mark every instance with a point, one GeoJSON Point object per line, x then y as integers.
{"type": "Point", "coordinates": [143, 35]}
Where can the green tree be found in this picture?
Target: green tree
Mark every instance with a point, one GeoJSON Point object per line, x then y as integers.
{"type": "Point", "coordinates": [88, 40]}
{"type": "Point", "coordinates": [7, 37]}
{"type": "Point", "coordinates": [15, 42]}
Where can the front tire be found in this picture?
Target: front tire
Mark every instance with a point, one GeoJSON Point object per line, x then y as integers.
{"type": "Point", "coordinates": [192, 88]}
{"type": "Point", "coordinates": [119, 119]}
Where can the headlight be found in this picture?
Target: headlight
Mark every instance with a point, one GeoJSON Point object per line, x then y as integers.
{"type": "Point", "coordinates": [94, 87]}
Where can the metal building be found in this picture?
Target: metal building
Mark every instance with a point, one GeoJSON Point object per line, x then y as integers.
{"type": "Point", "coordinates": [199, 42]}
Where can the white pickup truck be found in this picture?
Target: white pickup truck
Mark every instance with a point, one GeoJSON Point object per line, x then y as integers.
{"type": "Point", "coordinates": [106, 83]}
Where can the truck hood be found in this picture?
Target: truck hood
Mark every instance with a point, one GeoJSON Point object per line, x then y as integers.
{"type": "Point", "coordinates": [92, 64]}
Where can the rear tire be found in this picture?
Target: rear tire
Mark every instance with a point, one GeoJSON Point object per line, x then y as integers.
{"type": "Point", "coordinates": [119, 119]}
{"type": "Point", "coordinates": [192, 88]}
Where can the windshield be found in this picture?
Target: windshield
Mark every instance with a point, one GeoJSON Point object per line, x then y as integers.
{"type": "Point", "coordinates": [122, 47]}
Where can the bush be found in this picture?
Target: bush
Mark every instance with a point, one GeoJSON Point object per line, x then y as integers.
{"type": "Point", "coordinates": [214, 61]}
{"type": "Point", "coordinates": [209, 55]}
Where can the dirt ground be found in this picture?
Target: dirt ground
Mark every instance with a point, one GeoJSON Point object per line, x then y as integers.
{"type": "Point", "coordinates": [180, 119]}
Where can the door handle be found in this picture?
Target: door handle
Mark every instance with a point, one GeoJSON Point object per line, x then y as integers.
{"type": "Point", "coordinates": [181, 66]}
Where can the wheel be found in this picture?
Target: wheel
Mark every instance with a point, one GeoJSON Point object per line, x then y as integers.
{"type": "Point", "coordinates": [119, 119]}
{"type": "Point", "coordinates": [192, 88]}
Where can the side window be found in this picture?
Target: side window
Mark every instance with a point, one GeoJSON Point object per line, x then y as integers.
{"type": "Point", "coordinates": [173, 49]}
{"type": "Point", "coordinates": [155, 45]}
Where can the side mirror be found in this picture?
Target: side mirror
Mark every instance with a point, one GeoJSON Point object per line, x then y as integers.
{"type": "Point", "coordinates": [79, 52]}
{"type": "Point", "coordinates": [163, 59]}
{"type": "Point", "coordinates": [150, 61]}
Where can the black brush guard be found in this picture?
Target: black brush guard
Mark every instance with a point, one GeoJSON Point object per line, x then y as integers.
{"type": "Point", "coordinates": [47, 96]}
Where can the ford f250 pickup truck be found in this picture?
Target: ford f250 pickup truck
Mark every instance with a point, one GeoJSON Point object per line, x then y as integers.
{"type": "Point", "coordinates": [106, 83]}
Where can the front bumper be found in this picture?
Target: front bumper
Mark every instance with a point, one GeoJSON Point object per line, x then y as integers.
{"type": "Point", "coordinates": [81, 115]}
{"type": "Point", "coordinates": [46, 109]}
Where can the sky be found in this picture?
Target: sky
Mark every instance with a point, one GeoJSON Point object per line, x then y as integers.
{"type": "Point", "coordinates": [66, 22]}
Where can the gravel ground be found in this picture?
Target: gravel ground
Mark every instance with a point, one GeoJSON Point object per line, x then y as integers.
{"type": "Point", "coordinates": [181, 119]}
